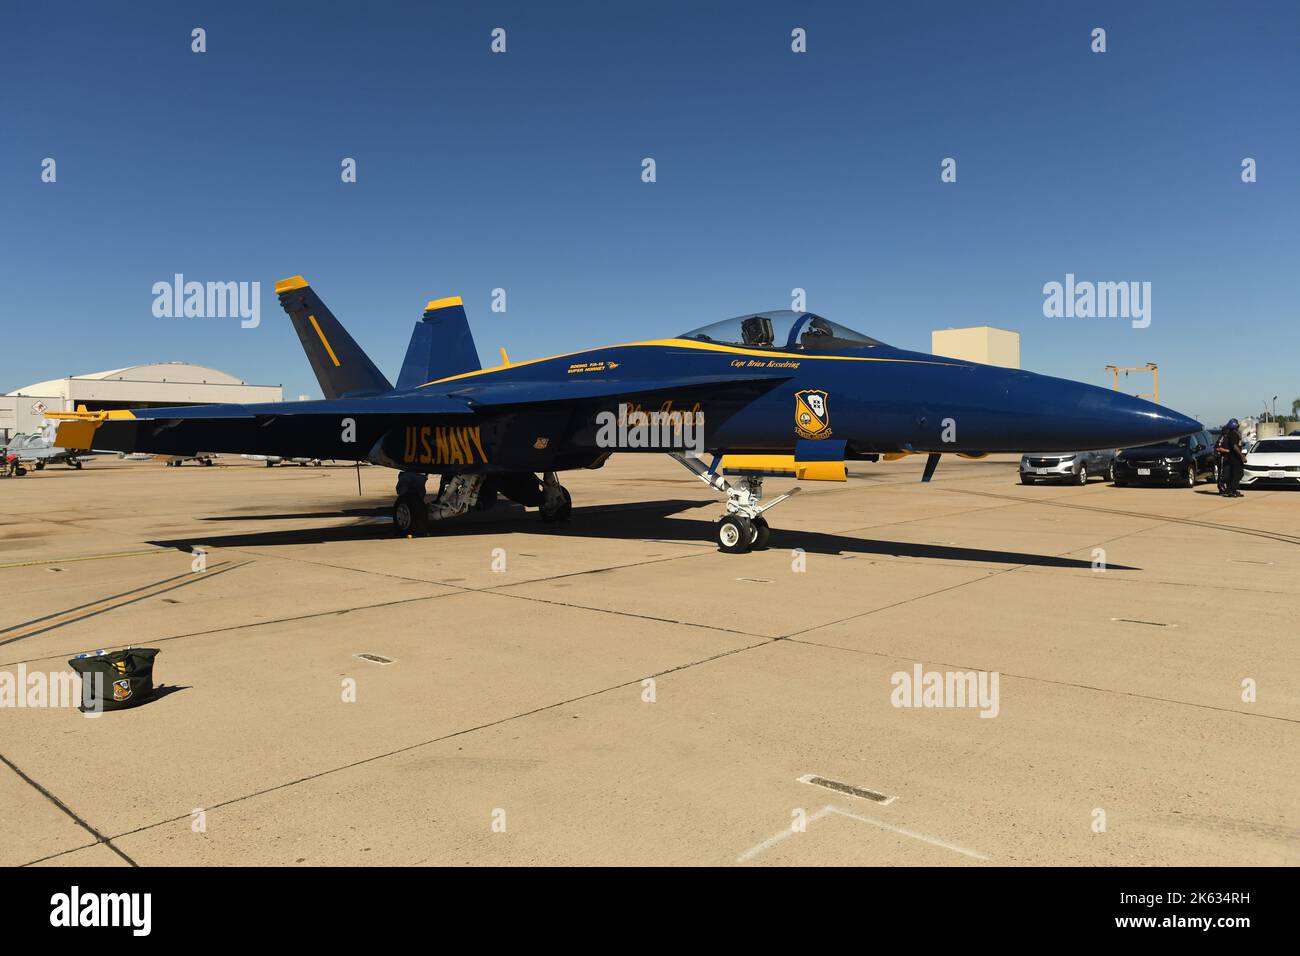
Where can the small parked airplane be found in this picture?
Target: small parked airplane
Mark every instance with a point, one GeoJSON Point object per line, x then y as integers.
{"type": "Point", "coordinates": [39, 449]}
{"type": "Point", "coordinates": [765, 394]}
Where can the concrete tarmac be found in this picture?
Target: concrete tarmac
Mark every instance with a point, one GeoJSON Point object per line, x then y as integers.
{"type": "Point", "coordinates": [614, 690]}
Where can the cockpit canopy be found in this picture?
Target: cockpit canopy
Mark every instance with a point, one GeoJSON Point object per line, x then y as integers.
{"type": "Point", "coordinates": [783, 330]}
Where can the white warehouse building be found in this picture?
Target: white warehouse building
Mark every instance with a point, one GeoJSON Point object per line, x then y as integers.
{"type": "Point", "coordinates": [139, 386]}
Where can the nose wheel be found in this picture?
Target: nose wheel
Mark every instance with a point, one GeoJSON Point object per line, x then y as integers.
{"type": "Point", "coordinates": [735, 534]}
{"type": "Point", "coordinates": [743, 527]}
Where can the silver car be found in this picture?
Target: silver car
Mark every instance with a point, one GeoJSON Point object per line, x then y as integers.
{"type": "Point", "coordinates": [1075, 467]}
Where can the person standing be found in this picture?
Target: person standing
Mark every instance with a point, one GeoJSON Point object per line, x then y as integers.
{"type": "Point", "coordinates": [1221, 460]}
{"type": "Point", "coordinates": [1236, 459]}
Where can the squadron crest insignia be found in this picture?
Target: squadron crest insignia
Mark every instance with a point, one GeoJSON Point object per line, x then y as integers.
{"type": "Point", "coordinates": [811, 414]}
{"type": "Point", "coordinates": [122, 689]}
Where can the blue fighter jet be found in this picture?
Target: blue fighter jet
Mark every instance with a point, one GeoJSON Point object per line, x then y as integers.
{"type": "Point", "coordinates": [766, 394]}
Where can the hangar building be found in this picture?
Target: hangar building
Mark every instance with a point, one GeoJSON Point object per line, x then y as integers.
{"type": "Point", "coordinates": [139, 386]}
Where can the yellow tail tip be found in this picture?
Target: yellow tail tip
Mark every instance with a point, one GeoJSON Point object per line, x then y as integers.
{"type": "Point", "coordinates": [435, 304]}
{"type": "Point", "coordinates": [289, 284]}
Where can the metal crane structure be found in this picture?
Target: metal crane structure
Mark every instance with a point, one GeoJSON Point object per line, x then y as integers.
{"type": "Point", "coordinates": [1149, 367]}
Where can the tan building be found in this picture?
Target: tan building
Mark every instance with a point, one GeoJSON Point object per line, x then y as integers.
{"type": "Point", "coordinates": [980, 343]}
{"type": "Point", "coordinates": [140, 386]}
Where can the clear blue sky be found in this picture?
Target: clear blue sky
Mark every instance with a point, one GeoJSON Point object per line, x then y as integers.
{"type": "Point", "coordinates": [775, 170]}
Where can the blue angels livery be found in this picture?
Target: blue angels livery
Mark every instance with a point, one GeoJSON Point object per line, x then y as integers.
{"type": "Point", "coordinates": [781, 393]}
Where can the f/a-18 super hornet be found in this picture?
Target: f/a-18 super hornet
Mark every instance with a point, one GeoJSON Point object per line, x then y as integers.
{"type": "Point", "coordinates": [766, 394]}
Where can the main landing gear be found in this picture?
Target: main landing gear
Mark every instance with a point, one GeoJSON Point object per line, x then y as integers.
{"type": "Point", "coordinates": [458, 494]}
{"type": "Point", "coordinates": [743, 527]}
{"type": "Point", "coordinates": [557, 504]}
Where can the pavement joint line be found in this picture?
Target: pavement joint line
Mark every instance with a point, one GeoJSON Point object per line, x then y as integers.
{"type": "Point", "coordinates": [498, 591]}
{"type": "Point", "coordinates": [635, 682]}
{"type": "Point", "coordinates": [1045, 680]}
{"type": "Point", "coordinates": [1172, 519]}
{"type": "Point", "coordinates": [454, 591]}
{"type": "Point", "coordinates": [918, 597]}
{"type": "Point", "coordinates": [1159, 522]}
{"type": "Point", "coordinates": [632, 614]}
{"type": "Point", "coordinates": [251, 624]}
{"type": "Point", "coordinates": [459, 587]}
{"type": "Point", "coordinates": [99, 837]}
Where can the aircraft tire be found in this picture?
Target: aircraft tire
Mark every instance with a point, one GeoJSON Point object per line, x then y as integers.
{"type": "Point", "coordinates": [410, 516]}
{"type": "Point", "coordinates": [735, 534]}
{"type": "Point", "coordinates": [562, 511]}
{"type": "Point", "coordinates": [77, 465]}
{"type": "Point", "coordinates": [762, 533]}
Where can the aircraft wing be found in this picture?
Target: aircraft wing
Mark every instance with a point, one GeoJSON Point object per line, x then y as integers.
{"type": "Point", "coordinates": [286, 429]}
{"type": "Point", "coordinates": [315, 429]}
{"type": "Point", "coordinates": [500, 394]}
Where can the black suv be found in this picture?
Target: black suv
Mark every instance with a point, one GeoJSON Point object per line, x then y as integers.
{"type": "Point", "coordinates": [1182, 461]}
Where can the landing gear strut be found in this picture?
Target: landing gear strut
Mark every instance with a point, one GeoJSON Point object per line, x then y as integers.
{"type": "Point", "coordinates": [557, 504]}
{"type": "Point", "coordinates": [412, 514]}
{"type": "Point", "coordinates": [743, 527]}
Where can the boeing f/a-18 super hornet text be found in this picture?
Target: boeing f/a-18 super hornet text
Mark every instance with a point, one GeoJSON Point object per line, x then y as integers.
{"type": "Point", "coordinates": [766, 394]}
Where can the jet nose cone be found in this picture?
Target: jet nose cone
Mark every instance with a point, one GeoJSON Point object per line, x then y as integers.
{"type": "Point", "coordinates": [1128, 421]}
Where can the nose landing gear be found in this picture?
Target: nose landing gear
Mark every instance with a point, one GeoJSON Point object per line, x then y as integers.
{"type": "Point", "coordinates": [743, 527]}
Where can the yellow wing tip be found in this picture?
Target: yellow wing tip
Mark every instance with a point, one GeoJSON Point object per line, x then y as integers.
{"type": "Point", "coordinates": [435, 304]}
{"type": "Point", "coordinates": [291, 283]}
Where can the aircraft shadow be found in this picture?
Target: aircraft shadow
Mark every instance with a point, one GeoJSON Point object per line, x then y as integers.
{"type": "Point", "coordinates": [341, 513]}
{"type": "Point", "coordinates": [639, 520]}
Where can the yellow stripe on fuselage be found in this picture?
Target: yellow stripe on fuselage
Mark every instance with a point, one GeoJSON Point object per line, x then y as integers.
{"type": "Point", "coordinates": [325, 342]}
{"type": "Point", "coordinates": [698, 346]}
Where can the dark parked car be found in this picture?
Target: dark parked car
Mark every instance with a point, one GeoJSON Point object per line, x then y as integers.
{"type": "Point", "coordinates": [1183, 461]}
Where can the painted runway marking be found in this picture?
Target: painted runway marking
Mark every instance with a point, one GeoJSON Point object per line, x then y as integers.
{"type": "Point", "coordinates": [87, 557]}
{"type": "Point", "coordinates": [847, 788]}
{"type": "Point", "coordinates": [73, 615]}
{"type": "Point", "coordinates": [776, 838]}
{"type": "Point", "coordinates": [933, 841]}
{"type": "Point", "coordinates": [827, 810]}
